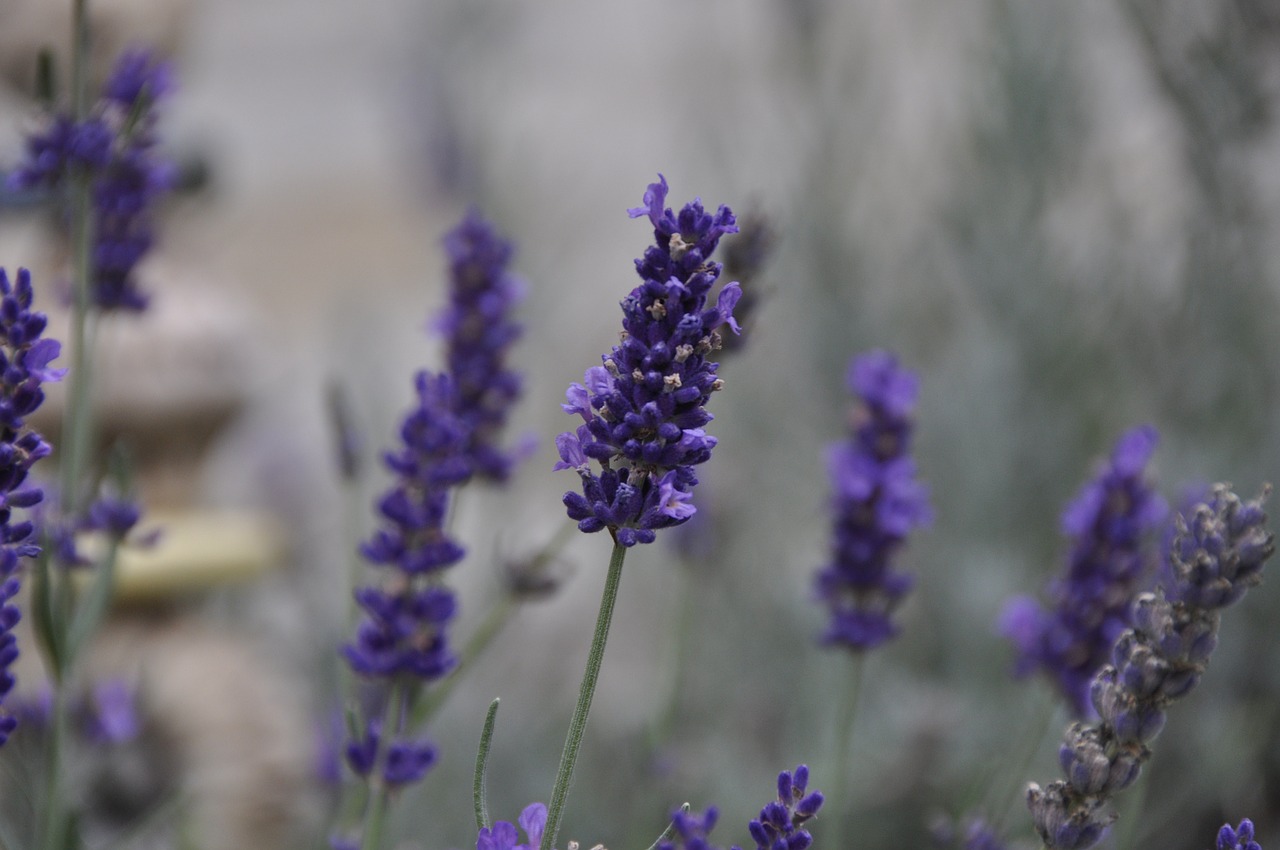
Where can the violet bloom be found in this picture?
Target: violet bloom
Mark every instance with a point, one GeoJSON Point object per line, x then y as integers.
{"type": "Point", "coordinates": [503, 836]}
{"type": "Point", "coordinates": [643, 410]}
{"type": "Point", "coordinates": [114, 148]}
{"type": "Point", "coordinates": [1218, 555]}
{"type": "Point", "coordinates": [1240, 838]}
{"type": "Point", "coordinates": [24, 366]}
{"type": "Point", "coordinates": [403, 637]}
{"type": "Point", "coordinates": [1111, 524]}
{"type": "Point", "coordinates": [878, 501]}
{"type": "Point", "coordinates": [781, 823]}
{"type": "Point", "coordinates": [480, 332]}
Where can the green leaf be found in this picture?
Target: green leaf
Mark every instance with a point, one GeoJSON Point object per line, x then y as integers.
{"type": "Point", "coordinates": [479, 789]}
{"type": "Point", "coordinates": [670, 831]}
{"type": "Point", "coordinates": [92, 608]}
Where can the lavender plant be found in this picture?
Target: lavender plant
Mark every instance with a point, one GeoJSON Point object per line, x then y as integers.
{"type": "Point", "coordinates": [643, 412]}
{"type": "Point", "coordinates": [1218, 555]}
{"type": "Point", "coordinates": [447, 438]}
{"type": "Point", "coordinates": [1111, 524]}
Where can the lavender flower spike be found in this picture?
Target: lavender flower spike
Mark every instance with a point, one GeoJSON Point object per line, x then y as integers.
{"type": "Point", "coordinates": [480, 331]}
{"type": "Point", "coordinates": [1218, 555]}
{"type": "Point", "coordinates": [644, 409]}
{"type": "Point", "coordinates": [780, 825]}
{"type": "Point", "coordinates": [114, 148]}
{"type": "Point", "coordinates": [24, 366]}
{"type": "Point", "coordinates": [1110, 524]}
{"type": "Point", "coordinates": [878, 501]}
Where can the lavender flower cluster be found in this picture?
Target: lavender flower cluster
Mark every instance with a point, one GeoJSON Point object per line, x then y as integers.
{"type": "Point", "coordinates": [644, 408]}
{"type": "Point", "coordinates": [878, 501]}
{"type": "Point", "coordinates": [1111, 524]}
{"type": "Point", "coordinates": [114, 148]}
{"type": "Point", "coordinates": [447, 438]}
{"type": "Point", "coordinates": [1218, 555]}
{"type": "Point", "coordinates": [24, 366]}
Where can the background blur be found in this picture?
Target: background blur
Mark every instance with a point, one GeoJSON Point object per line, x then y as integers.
{"type": "Point", "coordinates": [1063, 215]}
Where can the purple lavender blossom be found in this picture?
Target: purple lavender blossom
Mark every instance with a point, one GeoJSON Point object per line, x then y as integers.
{"type": "Point", "coordinates": [403, 637]}
{"type": "Point", "coordinates": [503, 836]}
{"type": "Point", "coordinates": [1111, 524]}
{"type": "Point", "coordinates": [480, 331]}
{"type": "Point", "coordinates": [780, 825]}
{"type": "Point", "coordinates": [24, 366]}
{"type": "Point", "coordinates": [115, 149]}
{"type": "Point", "coordinates": [878, 501]}
{"type": "Point", "coordinates": [1240, 838]}
{"type": "Point", "coordinates": [644, 408]}
{"type": "Point", "coordinates": [1218, 555]}
{"type": "Point", "coordinates": [690, 831]}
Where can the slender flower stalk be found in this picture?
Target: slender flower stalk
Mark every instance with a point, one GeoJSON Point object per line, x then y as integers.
{"type": "Point", "coordinates": [1218, 555]}
{"type": "Point", "coordinates": [1112, 525]}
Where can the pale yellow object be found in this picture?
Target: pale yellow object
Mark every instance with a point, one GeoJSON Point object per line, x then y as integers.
{"type": "Point", "coordinates": [196, 550]}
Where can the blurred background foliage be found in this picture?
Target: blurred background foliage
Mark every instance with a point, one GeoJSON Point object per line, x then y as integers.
{"type": "Point", "coordinates": [1063, 215]}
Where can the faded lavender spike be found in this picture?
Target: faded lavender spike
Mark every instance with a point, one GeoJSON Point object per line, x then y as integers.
{"type": "Point", "coordinates": [878, 501]}
{"type": "Point", "coordinates": [115, 149]}
{"type": "Point", "coordinates": [643, 410]}
{"type": "Point", "coordinates": [24, 366]}
{"type": "Point", "coordinates": [1218, 554]}
{"type": "Point", "coordinates": [479, 332]}
{"type": "Point", "coordinates": [1111, 525]}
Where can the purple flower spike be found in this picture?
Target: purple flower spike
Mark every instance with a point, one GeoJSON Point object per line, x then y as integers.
{"type": "Point", "coordinates": [644, 408]}
{"type": "Point", "coordinates": [24, 366]}
{"type": "Point", "coordinates": [1217, 555]}
{"type": "Point", "coordinates": [480, 332]}
{"type": "Point", "coordinates": [114, 148]}
{"type": "Point", "coordinates": [1110, 524]}
{"type": "Point", "coordinates": [878, 502]}
{"type": "Point", "coordinates": [780, 825]}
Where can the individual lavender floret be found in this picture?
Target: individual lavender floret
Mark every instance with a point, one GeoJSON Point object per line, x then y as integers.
{"type": "Point", "coordinates": [1218, 555]}
{"type": "Point", "coordinates": [503, 836]}
{"type": "Point", "coordinates": [744, 258]}
{"type": "Point", "coordinates": [878, 501]}
{"type": "Point", "coordinates": [1111, 524]}
{"type": "Point", "coordinates": [24, 366]}
{"type": "Point", "coordinates": [1240, 838]}
{"type": "Point", "coordinates": [480, 331]}
{"type": "Point", "coordinates": [644, 408]}
{"type": "Point", "coordinates": [114, 148]}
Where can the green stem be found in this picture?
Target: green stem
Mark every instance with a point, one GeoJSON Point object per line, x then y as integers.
{"type": "Point", "coordinates": [847, 713]}
{"type": "Point", "coordinates": [53, 832]}
{"type": "Point", "coordinates": [578, 725]}
{"type": "Point", "coordinates": [1032, 739]}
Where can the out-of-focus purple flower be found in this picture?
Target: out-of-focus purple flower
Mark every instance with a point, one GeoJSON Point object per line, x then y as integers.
{"type": "Point", "coordinates": [407, 762]}
{"type": "Point", "coordinates": [503, 836]}
{"type": "Point", "coordinates": [1240, 838]}
{"type": "Point", "coordinates": [139, 75]}
{"type": "Point", "coordinates": [745, 256]}
{"type": "Point", "coordinates": [643, 410]}
{"type": "Point", "coordinates": [878, 501]}
{"type": "Point", "coordinates": [480, 331]}
{"type": "Point", "coordinates": [1110, 524]}
{"type": "Point", "coordinates": [690, 831]}
{"type": "Point", "coordinates": [1218, 555]}
{"type": "Point", "coordinates": [24, 366]}
{"type": "Point", "coordinates": [115, 150]}
{"type": "Point", "coordinates": [113, 713]}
